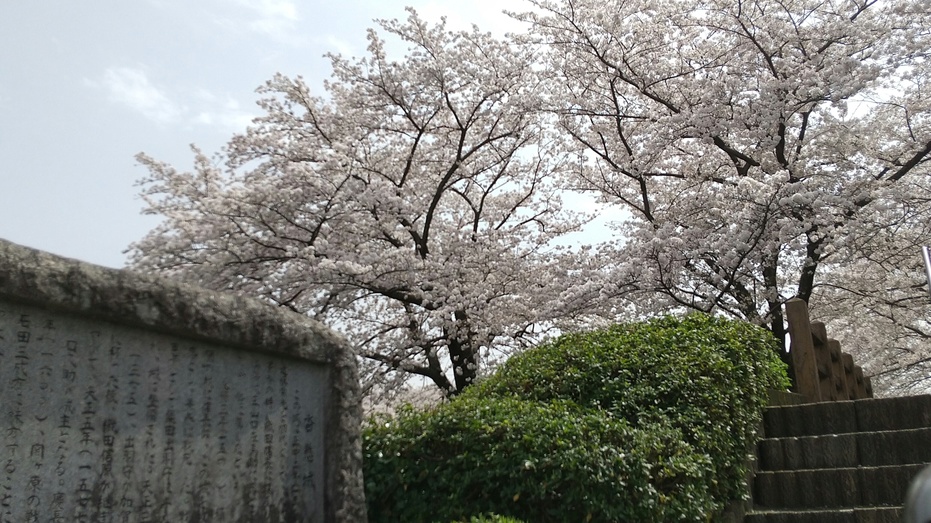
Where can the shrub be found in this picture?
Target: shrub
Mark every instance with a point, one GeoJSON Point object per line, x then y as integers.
{"type": "Point", "coordinates": [539, 461]}
{"type": "Point", "coordinates": [491, 518]}
{"type": "Point", "coordinates": [644, 422]}
{"type": "Point", "coordinates": [708, 377]}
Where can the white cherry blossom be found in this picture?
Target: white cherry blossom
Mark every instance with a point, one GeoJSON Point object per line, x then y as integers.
{"type": "Point", "coordinates": [766, 149]}
{"type": "Point", "coordinates": [412, 205]}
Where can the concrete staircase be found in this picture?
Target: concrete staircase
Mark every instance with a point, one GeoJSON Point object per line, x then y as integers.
{"type": "Point", "coordinates": [840, 462]}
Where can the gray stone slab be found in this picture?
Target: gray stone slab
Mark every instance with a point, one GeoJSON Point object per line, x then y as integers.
{"type": "Point", "coordinates": [806, 489]}
{"type": "Point", "coordinates": [811, 419]}
{"type": "Point", "coordinates": [907, 412]}
{"type": "Point", "coordinates": [879, 515]}
{"type": "Point", "coordinates": [126, 397]}
{"type": "Point", "coordinates": [859, 487]}
{"type": "Point", "coordinates": [886, 486]}
{"type": "Point", "coordinates": [860, 515]}
{"type": "Point", "coordinates": [804, 516]}
{"type": "Point", "coordinates": [899, 447]}
{"type": "Point", "coordinates": [809, 452]}
{"type": "Point", "coordinates": [894, 447]}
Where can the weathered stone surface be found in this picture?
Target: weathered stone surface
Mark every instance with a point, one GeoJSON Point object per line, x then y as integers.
{"type": "Point", "coordinates": [804, 516]}
{"type": "Point", "coordinates": [806, 489]}
{"type": "Point", "coordinates": [872, 449]}
{"type": "Point", "coordinates": [886, 485]}
{"type": "Point", "coordinates": [859, 515]}
{"type": "Point", "coordinates": [907, 412]}
{"type": "Point", "coordinates": [810, 452]}
{"type": "Point", "coordinates": [894, 447]}
{"type": "Point", "coordinates": [837, 417]}
{"type": "Point", "coordinates": [125, 397]}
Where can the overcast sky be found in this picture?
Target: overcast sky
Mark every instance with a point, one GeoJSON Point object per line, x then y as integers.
{"type": "Point", "coordinates": [84, 86]}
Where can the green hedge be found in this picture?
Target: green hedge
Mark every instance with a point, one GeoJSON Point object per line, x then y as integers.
{"type": "Point", "coordinates": [707, 376]}
{"type": "Point", "coordinates": [491, 518]}
{"type": "Point", "coordinates": [645, 422]}
{"type": "Point", "coordinates": [539, 461]}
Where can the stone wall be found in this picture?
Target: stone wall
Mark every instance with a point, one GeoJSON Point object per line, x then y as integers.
{"type": "Point", "coordinates": [126, 397]}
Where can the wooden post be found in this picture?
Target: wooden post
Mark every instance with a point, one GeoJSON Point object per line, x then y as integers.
{"type": "Point", "coordinates": [819, 336]}
{"type": "Point", "coordinates": [802, 350]}
{"type": "Point", "coordinates": [837, 369]}
{"type": "Point", "coordinates": [861, 383]}
{"type": "Point", "coordinates": [849, 376]}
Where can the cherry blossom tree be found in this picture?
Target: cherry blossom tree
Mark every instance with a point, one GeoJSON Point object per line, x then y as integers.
{"type": "Point", "coordinates": [414, 206]}
{"type": "Point", "coordinates": [879, 300]}
{"type": "Point", "coordinates": [764, 149]}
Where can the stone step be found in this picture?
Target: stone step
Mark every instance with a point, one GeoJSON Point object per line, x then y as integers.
{"type": "Point", "coordinates": [868, 449]}
{"type": "Point", "coordinates": [858, 515]}
{"type": "Point", "coordinates": [844, 488]}
{"type": "Point", "coordinates": [843, 417]}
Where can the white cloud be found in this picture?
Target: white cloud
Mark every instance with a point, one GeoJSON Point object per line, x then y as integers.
{"type": "Point", "coordinates": [279, 11]}
{"type": "Point", "coordinates": [221, 111]}
{"type": "Point", "coordinates": [338, 45]}
{"type": "Point", "coordinates": [276, 19]}
{"type": "Point", "coordinates": [488, 15]}
{"type": "Point", "coordinates": [132, 88]}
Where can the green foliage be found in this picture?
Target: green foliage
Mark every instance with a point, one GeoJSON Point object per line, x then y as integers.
{"type": "Point", "coordinates": [644, 422]}
{"type": "Point", "coordinates": [540, 461]}
{"type": "Point", "coordinates": [492, 518]}
{"type": "Point", "coordinates": [706, 376]}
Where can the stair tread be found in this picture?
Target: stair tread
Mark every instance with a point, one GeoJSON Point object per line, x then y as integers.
{"type": "Point", "coordinates": [844, 487]}
{"type": "Point", "coordinates": [840, 462]}
{"type": "Point", "coordinates": [851, 416]}
{"type": "Point", "coordinates": [814, 511]}
{"type": "Point", "coordinates": [828, 436]}
{"type": "Point", "coordinates": [855, 515]}
{"type": "Point", "coordinates": [919, 466]}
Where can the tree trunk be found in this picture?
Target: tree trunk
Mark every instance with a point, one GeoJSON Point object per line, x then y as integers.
{"type": "Point", "coordinates": [775, 314]}
{"type": "Point", "coordinates": [462, 352]}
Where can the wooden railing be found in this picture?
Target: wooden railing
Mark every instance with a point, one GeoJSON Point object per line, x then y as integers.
{"type": "Point", "coordinates": [822, 371]}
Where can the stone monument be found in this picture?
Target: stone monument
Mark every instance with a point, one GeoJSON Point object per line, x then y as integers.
{"type": "Point", "coordinates": [130, 398]}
